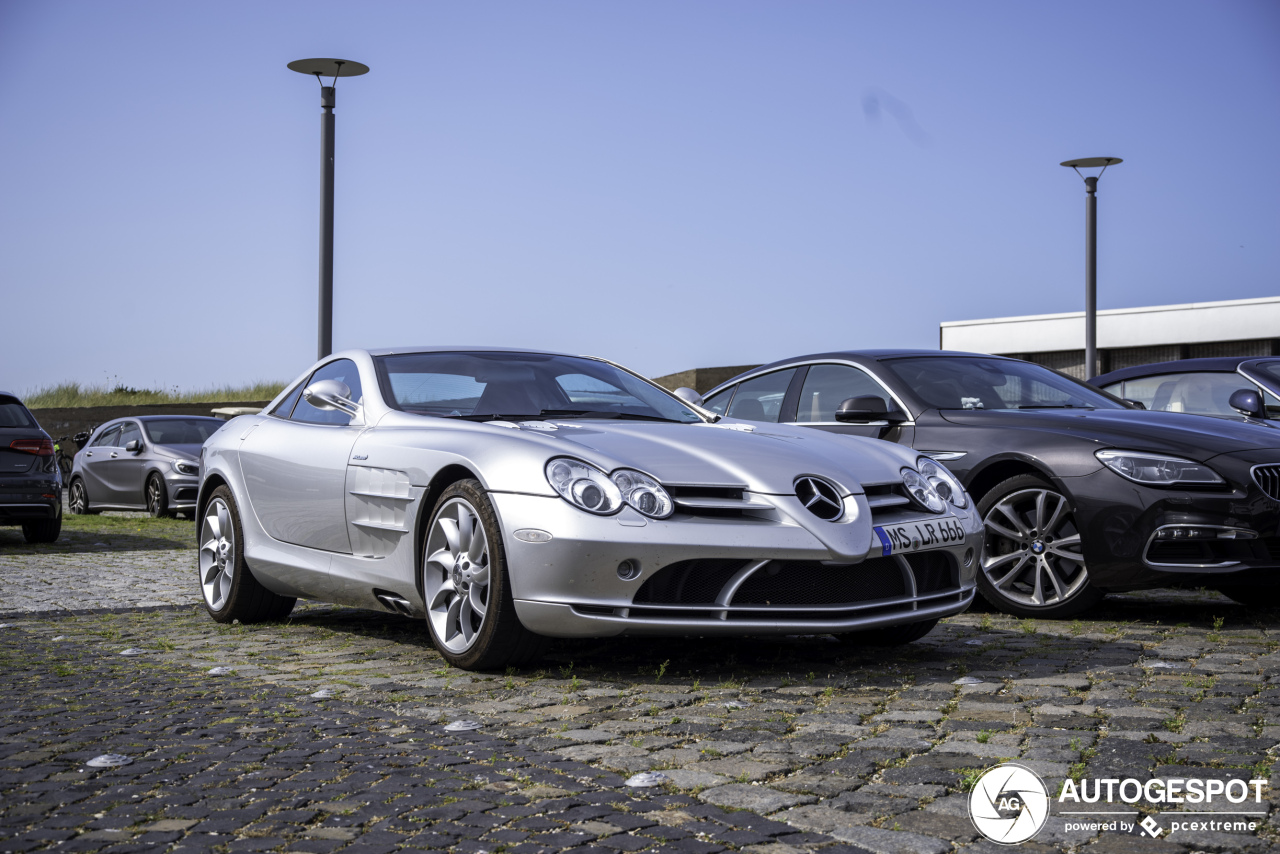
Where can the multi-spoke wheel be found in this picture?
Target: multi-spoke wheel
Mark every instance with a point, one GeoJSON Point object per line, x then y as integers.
{"type": "Point", "coordinates": [78, 498]}
{"type": "Point", "coordinates": [157, 496]}
{"type": "Point", "coordinates": [470, 611]}
{"type": "Point", "coordinates": [1032, 564]}
{"type": "Point", "coordinates": [230, 590]}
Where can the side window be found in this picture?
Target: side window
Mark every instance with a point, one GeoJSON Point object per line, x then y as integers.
{"type": "Point", "coordinates": [129, 433]}
{"type": "Point", "coordinates": [108, 437]}
{"type": "Point", "coordinates": [825, 386]}
{"type": "Point", "coordinates": [760, 399]}
{"type": "Point", "coordinates": [343, 370]}
{"type": "Point", "coordinates": [1201, 393]}
{"type": "Point", "coordinates": [285, 407]}
{"type": "Point", "coordinates": [719, 402]}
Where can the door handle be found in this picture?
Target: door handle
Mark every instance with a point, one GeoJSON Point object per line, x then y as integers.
{"type": "Point", "coordinates": [89, 454]}
{"type": "Point", "coordinates": [114, 455]}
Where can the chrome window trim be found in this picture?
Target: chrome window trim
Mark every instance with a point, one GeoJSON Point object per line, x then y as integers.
{"type": "Point", "coordinates": [911, 419]}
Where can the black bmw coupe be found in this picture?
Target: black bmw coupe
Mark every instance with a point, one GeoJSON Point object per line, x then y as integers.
{"type": "Point", "coordinates": [1081, 493]}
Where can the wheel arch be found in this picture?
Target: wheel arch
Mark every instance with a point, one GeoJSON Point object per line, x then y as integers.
{"type": "Point", "coordinates": [443, 479]}
{"type": "Point", "coordinates": [207, 486]}
{"type": "Point", "coordinates": [998, 470]}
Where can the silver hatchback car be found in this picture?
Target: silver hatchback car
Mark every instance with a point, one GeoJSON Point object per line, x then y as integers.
{"type": "Point", "coordinates": [151, 462]}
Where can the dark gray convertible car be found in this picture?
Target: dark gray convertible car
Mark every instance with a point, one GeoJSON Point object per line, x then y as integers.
{"type": "Point", "coordinates": [150, 463]}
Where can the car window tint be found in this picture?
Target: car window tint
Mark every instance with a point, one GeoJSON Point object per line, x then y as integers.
{"type": "Point", "coordinates": [969, 382]}
{"type": "Point", "coordinates": [825, 386]}
{"type": "Point", "coordinates": [1197, 392]}
{"type": "Point", "coordinates": [719, 401]}
{"type": "Point", "coordinates": [181, 431]}
{"type": "Point", "coordinates": [284, 408]}
{"type": "Point", "coordinates": [14, 414]}
{"type": "Point", "coordinates": [129, 434]}
{"type": "Point", "coordinates": [760, 399]}
{"type": "Point", "coordinates": [107, 438]}
{"type": "Point", "coordinates": [343, 370]}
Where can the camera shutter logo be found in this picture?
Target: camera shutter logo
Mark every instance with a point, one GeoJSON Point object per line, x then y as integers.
{"type": "Point", "coordinates": [1009, 804]}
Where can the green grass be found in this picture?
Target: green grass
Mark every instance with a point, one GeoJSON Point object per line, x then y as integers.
{"type": "Point", "coordinates": [73, 394]}
{"type": "Point", "coordinates": [85, 533]}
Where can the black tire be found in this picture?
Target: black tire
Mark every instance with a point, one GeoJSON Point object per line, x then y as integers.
{"type": "Point", "coordinates": [1018, 555]}
{"type": "Point", "coordinates": [239, 596]}
{"type": "Point", "coordinates": [157, 497]}
{"type": "Point", "coordinates": [891, 635]}
{"type": "Point", "coordinates": [78, 499]}
{"type": "Point", "coordinates": [499, 639]}
{"type": "Point", "coordinates": [43, 531]}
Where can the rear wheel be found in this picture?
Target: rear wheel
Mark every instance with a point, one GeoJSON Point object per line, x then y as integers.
{"type": "Point", "coordinates": [43, 531]}
{"type": "Point", "coordinates": [157, 497]}
{"type": "Point", "coordinates": [230, 590]}
{"type": "Point", "coordinates": [470, 611]}
{"type": "Point", "coordinates": [1032, 562]}
{"type": "Point", "coordinates": [891, 635]}
{"type": "Point", "coordinates": [78, 499]}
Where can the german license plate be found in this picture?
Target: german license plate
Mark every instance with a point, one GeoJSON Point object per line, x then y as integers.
{"type": "Point", "coordinates": [919, 536]}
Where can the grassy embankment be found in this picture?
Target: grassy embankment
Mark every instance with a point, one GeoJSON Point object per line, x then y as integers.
{"type": "Point", "coordinates": [76, 395]}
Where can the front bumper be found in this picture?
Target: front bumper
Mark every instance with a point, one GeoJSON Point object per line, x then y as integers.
{"type": "Point", "coordinates": [183, 490]}
{"type": "Point", "coordinates": [690, 574]}
{"type": "Point", "coordinates": [1121, 521]}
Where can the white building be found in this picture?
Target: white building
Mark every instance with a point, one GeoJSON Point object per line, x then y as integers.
{"type": "Point", "coordinates": [1126, 336]}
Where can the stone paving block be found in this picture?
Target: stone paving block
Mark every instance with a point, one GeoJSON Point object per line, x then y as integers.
{"type": "Point", "coordinates": [891, 841]}
{"type": "Point", "coordinates": [760, 799]}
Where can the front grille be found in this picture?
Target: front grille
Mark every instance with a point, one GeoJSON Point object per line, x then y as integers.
{"type": "Point", "coordinates": [719, 502]}
{"type": "Point", "coordinates": [806, 582]}
{"type": "Point", "coordinates": [1268, 479]}
{"type": "Point", "coordinates": [186, 493]}
{"type": "Point", "coordinates": [932, 570]}
{"type": "Point", "coordinates": [730, 493]}
{"type": "Point", "coordinates": [689, 582]}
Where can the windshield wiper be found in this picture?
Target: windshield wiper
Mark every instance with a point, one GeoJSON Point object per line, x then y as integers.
{"type": "Point", "coordinates": [603, 413]}
{"type": "Point", "coordinates": [1054, 406]}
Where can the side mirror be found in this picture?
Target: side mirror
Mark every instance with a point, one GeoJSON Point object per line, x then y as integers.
{"type": "Point", "coordinates": [331, 394]}
{"type": "Point", "coordinates": [1133, 404]}
{"type": "Point", "coordinates": [867, 408]}
{"type": "Point", "coordinates": [688, 395]}
{"type": "Point", "coordinates": [133, 446]}
{"type": "Point", "coordinates": [1247, 402]}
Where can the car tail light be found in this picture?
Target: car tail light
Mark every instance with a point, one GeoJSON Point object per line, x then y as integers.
{"type": "Point", "coordinates": [39, 447]}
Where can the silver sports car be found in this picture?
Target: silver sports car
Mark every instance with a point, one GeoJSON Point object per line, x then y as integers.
{"type": "Point", "coordinates": [512, 496]}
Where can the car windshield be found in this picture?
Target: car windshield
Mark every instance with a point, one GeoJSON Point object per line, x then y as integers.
{"type": "Point", "coordinates": [978, 383]}
{"type": "Point", "coordinates": [181, 431]}
{"type": "Point", "coordinates": [1269, 369]}
{"type": "Point", "coordinates": [484, 386]}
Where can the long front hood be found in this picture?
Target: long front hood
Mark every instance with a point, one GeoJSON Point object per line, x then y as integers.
{"type": "Point", "coordinates": [766, 459]}
{"type": "Point", "coordinates": [1194, 436]}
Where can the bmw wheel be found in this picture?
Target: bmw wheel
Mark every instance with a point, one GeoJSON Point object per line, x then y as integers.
{"type": "Point", "coordinates": [465, 584]}
{"type": "Point", "coordinates": [1032, 562]}
{"type": "Point", "coordinates": [230, 591]}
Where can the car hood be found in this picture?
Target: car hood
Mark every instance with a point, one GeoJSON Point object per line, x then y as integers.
{"type": "Point", "coordinates": [179, 452]}
{"type": "Point", "coordinates": [1192, 436]}
{"type": "Point", "coordinates": [764, 458]}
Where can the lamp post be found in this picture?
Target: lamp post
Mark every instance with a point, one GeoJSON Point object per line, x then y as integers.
{"type": "Point", "coordinates": [1091, 256]}
{"type": "Point", "coordinates": [334, 68]}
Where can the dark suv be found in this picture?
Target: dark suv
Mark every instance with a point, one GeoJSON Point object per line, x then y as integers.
{"type": "Point", "coordinates": [30, 482]}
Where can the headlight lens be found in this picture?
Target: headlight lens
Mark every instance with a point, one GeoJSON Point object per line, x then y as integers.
{"type": "Point", "coordinates": [943, 482]}
{"type": "Point", "coordinates": [643, 493]}
{"type": "Point", "coordinates": [1156, 468]}
{"type": "Point", "coordinates": [188, 467]}
{"type": "Point", "coordinates": [922, 492]}
{"type": "Point", "coordinates": [584, 486]}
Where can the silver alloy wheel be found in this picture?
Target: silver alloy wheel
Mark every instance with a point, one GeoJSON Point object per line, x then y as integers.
{"type": "Point", "coordinates": [153, 497]}
{"type": "Point", "coordinates": [1031, 540]}
{"type": "Point", "coordinates": [77, 500]}
{"type": "Point", "coordinates": [456, 575]}
{"type": "Point", "coordinates": [217, 554]}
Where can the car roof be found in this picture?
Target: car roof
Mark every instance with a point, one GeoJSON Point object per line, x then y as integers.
{"type": "Point", "coordinates": [1224, 364]}
{"type": "Point", "coordinates": [859, 356]}
{"type": "Point", "coordinates": [403, 351]}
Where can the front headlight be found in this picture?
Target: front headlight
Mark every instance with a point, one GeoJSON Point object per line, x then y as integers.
{"type": "Point", "coordinates": [1156, 468]}
{"type": "Point", "coordinates": [922, 492]}
{"type": "Point", "coordinates": [643, 493]}
{"type": "Point", "coordinates": [584, 486]}
{"type": "Point", "coordinates": [187, 467]}
{"type": "Point", "coordinates": [943, 482]}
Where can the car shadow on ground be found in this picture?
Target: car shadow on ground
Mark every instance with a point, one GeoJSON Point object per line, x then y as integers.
{"type": "Point", "coordinates": [72, 542]}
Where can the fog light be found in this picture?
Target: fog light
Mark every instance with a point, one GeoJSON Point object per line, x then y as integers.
{"type": "Point", "coordinates": [968, 556]}
{"type": "Point", "coordinates": [1204, 532]}
{"type": "Point", "coordinates": [629, 570]}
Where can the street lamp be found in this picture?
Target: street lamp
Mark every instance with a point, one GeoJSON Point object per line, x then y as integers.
{"type": "Point", "coordinates": [334, 68]}
{"type": "Point", "coordinates": [1091, 256]}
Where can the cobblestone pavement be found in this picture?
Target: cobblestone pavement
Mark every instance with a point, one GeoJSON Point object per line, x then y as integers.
{"type": "Point", "coordinates": [769, 744]}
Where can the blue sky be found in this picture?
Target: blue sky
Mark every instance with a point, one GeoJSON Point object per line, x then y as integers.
{"type": "Point", "coordinates": [667, 184]}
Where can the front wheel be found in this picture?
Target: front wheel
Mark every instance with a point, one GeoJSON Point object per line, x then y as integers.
{"type": "Point", "coordinates": [470, 611]}
{"type": "Point", "coordinates": [230, 591]}
{"type": "Point", "coordinates": [157, 497]}
{"type": "Point", "coordinates": [1032, 561]}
